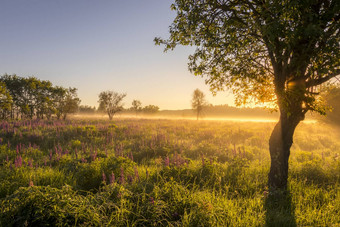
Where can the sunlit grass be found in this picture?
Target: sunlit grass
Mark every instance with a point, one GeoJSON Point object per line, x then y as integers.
{"type": "Point", "coordinates": [164, 172]}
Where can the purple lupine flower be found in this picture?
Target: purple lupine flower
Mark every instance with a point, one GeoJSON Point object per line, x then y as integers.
{"type": "Point", "coordinates": [94, 156]}
{"type": "Point", "coordinates": [152, 201]}
{"type": "Point", "coordinates": [167, 161]}
{"type": "Point", "coordinates": [112, 178]}
{"type": "Point", "coordinates": [130, 178]}
{"type": "Point", "coordinates": [18, 161]}
{"type": "Point", "coordinates": [104, 177]}
{"type": "Point", "coordinates": [30, 163]}
{"type": "Point", "coordinates": [121, 179]}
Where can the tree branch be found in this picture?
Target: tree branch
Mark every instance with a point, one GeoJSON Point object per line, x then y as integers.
{"type": "Point", "coordinates": [316, 82]}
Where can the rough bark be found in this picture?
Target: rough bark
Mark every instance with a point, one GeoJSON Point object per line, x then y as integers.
{"type": "Point", "coordinates": [280, 143]}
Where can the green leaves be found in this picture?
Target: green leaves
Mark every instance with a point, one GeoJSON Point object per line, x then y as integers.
{"type": "Point", "coordinates": [256, 48]}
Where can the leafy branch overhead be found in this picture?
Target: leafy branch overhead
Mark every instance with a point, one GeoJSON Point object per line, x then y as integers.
{"type": "Point", "coordinates": [250, 46]}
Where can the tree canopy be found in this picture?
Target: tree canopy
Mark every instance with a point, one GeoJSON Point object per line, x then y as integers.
{"type": "Point", "coordinates": [30, 97]}
{"type": "Point", "coordinates": [111, 102]}
{"type": "Point", "coordinates": [258, 47]}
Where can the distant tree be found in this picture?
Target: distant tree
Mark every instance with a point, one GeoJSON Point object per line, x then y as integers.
{"type": "Point", "coordinates": [5, 101]}
{"type": "Point", "coordinates": [198, 102]}
{"type": "Point", "coordinates": [150, 109]}
{"type": "Point", "coordinates": [265, 51]}
{"type": "Point", "coordinates": [86, 109]}
{"type": "Point", "coordinates": [112, 102]}
{"type": "Point", "coordinates": [71, 102]}
{"type": "Point", "coordinates": [136, 106]}
{"type": "Point", "coordinates": [101, 108]}
{"type": "Point", "coordinates": [66, 101]}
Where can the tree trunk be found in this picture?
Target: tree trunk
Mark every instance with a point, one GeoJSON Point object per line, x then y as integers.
{"type": "Point", "coordinates": [110, 115]}
{"type": "Point", "coordinates": [280, 143]}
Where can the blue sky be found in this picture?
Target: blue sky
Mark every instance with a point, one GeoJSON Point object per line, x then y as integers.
{"type": "Point", "coordinates": [99, 45]}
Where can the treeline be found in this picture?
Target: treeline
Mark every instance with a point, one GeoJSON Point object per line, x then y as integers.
{"type": "Point", "coordinates": [149, 109]}
{"type": "Point", "coordinates": [30, 97]}
{"type": "Point", "coordinates": [223, 111]}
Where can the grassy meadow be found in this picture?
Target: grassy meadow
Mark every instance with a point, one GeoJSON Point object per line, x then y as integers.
{"type": "Point", "coordinates": [159, 172]}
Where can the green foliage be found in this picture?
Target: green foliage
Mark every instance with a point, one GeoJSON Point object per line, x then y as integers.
{"type": "Point", "coordinates": [45, 206]}
{"type": "Point", "coordinates": [31, 97]}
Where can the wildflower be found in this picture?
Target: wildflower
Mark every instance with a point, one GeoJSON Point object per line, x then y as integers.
{"type": "Point", "coordinates": [136, 174]}
{"type": "Point", "coordinates": [130, 179]}
{"type": "Point", "coordinates": [265, 193]}
{"type": "Point", "coordinates": [104, 177]}
{"type": "Point", "coordinates": [112, 178]}
{"type": "Point", "coordinates": [167, 161]}
{"type": "Point", "coordinates": [31, 183]}
{"type": "Point", "coordinates": [152, 201]}
{"type": "Point", "coordinates": [121, 179]}
{"type": "Point", "coordinates": [30, 163]}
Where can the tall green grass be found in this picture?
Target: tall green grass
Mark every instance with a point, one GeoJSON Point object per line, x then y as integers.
{"type": "Point", "coordinates": [163, 173]}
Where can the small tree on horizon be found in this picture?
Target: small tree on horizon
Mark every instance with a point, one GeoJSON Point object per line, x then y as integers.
{"type": "Point", "coordinates": [136, 106]}
{"type": "Point", "coordinates": [198, 102]}
{"type": "Point", "coordinates": [150, 109]}
{"type": "Point", "coordinates": [111, 102]}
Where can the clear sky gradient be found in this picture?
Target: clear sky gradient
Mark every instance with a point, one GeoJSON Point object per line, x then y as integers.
{"type": "Point", "coordinates": [97, 45]}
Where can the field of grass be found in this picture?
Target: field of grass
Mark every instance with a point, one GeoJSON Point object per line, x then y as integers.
{"type": "Point", "coordinates": [134, 172]}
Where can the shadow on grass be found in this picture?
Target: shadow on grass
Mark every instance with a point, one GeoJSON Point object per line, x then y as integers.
{"type": "Point", "coordinates": [279, 209]}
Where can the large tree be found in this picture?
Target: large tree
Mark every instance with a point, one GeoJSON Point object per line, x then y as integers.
{"type": "Point", "coordinates": [111, 102]}
{"type": "Point", "coordinates": [263, 50]}
{"type": "Point", "coordinates": [198, 102]}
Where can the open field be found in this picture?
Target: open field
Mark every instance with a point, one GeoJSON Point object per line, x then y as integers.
{"type": "Point", "coordinates": [151, 172]}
